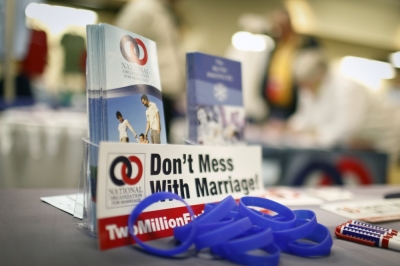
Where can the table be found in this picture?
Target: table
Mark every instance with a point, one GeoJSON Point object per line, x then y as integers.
{"type": "Point", "coordinates": [35, 233]}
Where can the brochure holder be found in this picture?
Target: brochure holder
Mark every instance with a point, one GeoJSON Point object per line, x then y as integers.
{"type": "Point", "coordinates": [239, 168]}
{"type": "Point", "coordinates": [85, 207]}
{"type": "Point", "coordinates": [87, 188]}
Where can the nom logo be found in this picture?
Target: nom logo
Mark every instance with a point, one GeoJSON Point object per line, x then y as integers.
{"type": "Point", "coordinates": [126, 170]}
{"type": "Point", "coordinates": [130, 50]}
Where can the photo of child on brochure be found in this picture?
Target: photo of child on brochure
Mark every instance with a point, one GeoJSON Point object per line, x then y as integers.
{"type": "Point", "coordinates": [220, 125]}
{"type": "Point", "coordinates": [136, 118]}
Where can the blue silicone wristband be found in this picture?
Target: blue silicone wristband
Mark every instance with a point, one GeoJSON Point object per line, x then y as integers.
{"type": "Point", "coordinates": [272, 258]}
{"type": "Point", "coordinates": [322, 247]}
{"type": "Point", "coordinates": [306, 223]}
{"type": "Point", "coordinates": [181, 235]}
{"type": "Point", "coordinates": [146, 203]}
{"type": "Point", "coordinates": [267, 222]}
{"type": "Point", "coordinates": [222, 234]}
{"type": "Point", "coordinates": [218, 212]}
{"type": "Point", "coordinates": [253, 239]}
{"type": "Point", "coordinates": [234, 213]}
{"type": "Point", "coordinates": [209, 206]}
{"type": "Point", "coordinates": [214, 214]}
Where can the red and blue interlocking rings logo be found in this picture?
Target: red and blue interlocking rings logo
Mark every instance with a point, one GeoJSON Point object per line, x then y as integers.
{"type": "Point", "coordinates": [130, 50]}
{"type": "Point", "coordinates": [126, 170]}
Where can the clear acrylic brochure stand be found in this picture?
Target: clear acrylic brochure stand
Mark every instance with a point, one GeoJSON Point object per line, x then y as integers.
{"type": "Point", "coordinates": [87, 188]}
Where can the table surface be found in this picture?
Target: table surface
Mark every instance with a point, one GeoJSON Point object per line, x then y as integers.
{"type": "Point", "coordinates": [35, 233]}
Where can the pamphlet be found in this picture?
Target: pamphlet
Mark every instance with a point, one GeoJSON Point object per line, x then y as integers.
{"type": "Point", "coordinates": [123, 95]}
{"type": "Point", "coordinates": [124, 88]}
{"type": "Point", "coordinates": [214, 100]}
{"type": "Point", "coordinates": [71, 203]}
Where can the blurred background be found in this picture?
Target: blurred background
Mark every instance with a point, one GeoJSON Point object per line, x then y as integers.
{"type": "Point", "coordinates": [43, 90]}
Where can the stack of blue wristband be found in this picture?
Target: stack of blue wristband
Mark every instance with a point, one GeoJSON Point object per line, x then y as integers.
{"type": "Point", "coordinates": [243, 235]}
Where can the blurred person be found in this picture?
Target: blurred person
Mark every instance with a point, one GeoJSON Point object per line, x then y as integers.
{"type": "Point", "coordinates": [158, 21]}
{"type": "Point", "coordinates": [123, 128]}
{"type": "Point", "coordinates": [393, 94]}
{"type": "Point", "coordinates": [253, 64]}
{"type": "Point", "coordinates": [35, 61]}
{"type": "Point", "coordinates": [334, 110]}
{"type": "Point", "coordinates": [279, 87]}
{"type": "Point", "coordinates": [23, 92]}
{"type": "Point", "coordinates": [73, 70]}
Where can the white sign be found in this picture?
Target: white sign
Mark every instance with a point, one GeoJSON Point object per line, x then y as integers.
{"type": "Point", "coordinates": [128, 173]}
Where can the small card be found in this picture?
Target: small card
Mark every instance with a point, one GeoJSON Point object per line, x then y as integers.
{"type": "Point", "coordinates": [290, 196]}
{"type": "Point", "coordinates": [372, 211]}
{"type": "Point", "coordinates": [72, 203]}
{"type": "Point", "coordinates": [330, 193]}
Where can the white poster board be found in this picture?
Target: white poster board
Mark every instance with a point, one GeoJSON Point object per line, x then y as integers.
{"type": "Point", "coordinates": [128, 173]}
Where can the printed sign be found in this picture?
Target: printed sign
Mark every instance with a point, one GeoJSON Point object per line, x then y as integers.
{"type": "Point", "coordinates": [128, 173]}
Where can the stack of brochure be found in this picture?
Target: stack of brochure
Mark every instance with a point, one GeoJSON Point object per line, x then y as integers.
{"type": "Point", "coordinates": [123, 95]}
{"type": "Point", "coordinates": [214, 98]}
{"type": "Point", "coordinates": [123, 87]}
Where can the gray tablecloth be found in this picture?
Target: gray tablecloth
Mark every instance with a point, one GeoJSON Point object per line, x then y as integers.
{"type": "Point", "coordinates": [35, 233]}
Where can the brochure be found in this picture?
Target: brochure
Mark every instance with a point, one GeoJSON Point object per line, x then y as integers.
{"type": "Point", "coordinates": [123, 95]}
{"type": "Point", "coordinates": [124, 88]}
{"type": "Point", "coordinates": [214, 100]}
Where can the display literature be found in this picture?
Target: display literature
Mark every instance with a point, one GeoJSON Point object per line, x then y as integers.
{"type": "Point", "coordinates": [123, 96]}
{"type": "Point", "coordinates": [123, 87]}
{"type": "Point", "coordinates": [214, 100]}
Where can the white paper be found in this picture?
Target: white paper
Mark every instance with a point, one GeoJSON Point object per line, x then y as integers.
{"type": "Point", "coordinates": [330, 193]}
{"type": "Point", "coordinates": [72, 203]}
{"type": "Point", "coordinates": [377, 210]}
{"type": "Point", "coordinates": [290, 197]}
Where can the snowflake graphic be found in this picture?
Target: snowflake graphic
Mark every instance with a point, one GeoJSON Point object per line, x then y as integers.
{"type": "Point", "coordinates": [220, 92]}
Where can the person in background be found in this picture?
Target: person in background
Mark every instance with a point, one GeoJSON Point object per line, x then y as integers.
{"type": "Point", "coordinates": [334, 110]}
{"type": "Point", "coordinates": [393, 94]}
{"type": "Point", "coordinates": [158, 21]}
{"type": "Point", "coordinates": [279, 88]}
{"type": "Point", "coordinates": [122, 128]}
